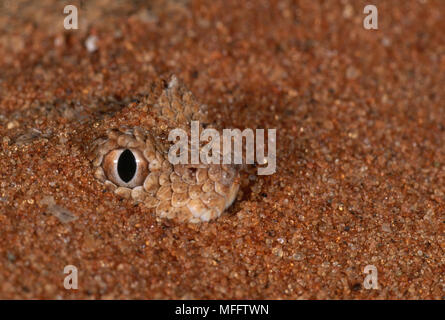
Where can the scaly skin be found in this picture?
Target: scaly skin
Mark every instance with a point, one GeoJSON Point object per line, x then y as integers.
{"type": "Point", "coordinates": [192, 193]}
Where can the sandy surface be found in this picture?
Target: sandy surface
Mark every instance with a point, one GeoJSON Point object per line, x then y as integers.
{"type": "Point", "coordinates": [360, 119]}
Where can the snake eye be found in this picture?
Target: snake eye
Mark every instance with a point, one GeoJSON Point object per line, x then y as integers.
{"type": "Point", "coordinates": [126, 167]}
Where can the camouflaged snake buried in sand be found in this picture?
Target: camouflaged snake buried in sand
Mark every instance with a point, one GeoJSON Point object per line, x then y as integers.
{"type": "Point", "coordinates": [131, 158]}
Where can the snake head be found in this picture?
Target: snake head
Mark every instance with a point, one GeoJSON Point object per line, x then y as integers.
{"type": "Point", "coordinates": [131, 159]}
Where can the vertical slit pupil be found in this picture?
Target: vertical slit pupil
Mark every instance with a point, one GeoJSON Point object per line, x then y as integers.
{"type": "Point", "coordinates": [126, 166]}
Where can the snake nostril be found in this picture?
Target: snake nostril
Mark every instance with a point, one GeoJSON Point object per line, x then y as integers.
{"type": "Point", "coordinates": [126, 166]}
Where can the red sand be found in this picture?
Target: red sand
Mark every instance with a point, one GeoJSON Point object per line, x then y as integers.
{"type": "Point", "coordinates": [360, 119]}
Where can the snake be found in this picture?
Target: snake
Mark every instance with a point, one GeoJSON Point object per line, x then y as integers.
{"type": "Point", "coordinates": [130, 157]}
